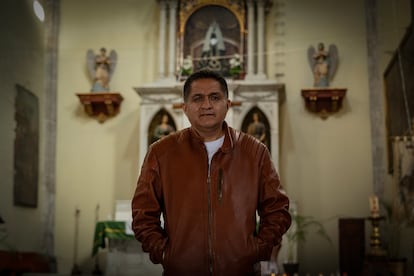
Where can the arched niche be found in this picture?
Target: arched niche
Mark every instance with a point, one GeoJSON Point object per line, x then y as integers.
{"type": "Point", "coordinates": [161, 125]}
{"type": "Point", "coordinates": [260, 127]}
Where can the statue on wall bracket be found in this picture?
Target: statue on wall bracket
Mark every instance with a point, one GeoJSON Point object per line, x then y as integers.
{"type": "Point", "coordinates": [101, 68]}
{"type": "Point", "coordinates": [323, 63]}
{"type": "Point", "coordinates": [101, 103]}
{"type": "Point", "coordinates": [321, 98]}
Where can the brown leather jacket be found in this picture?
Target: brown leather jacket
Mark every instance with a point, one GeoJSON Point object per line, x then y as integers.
{"type": "Point", "coordinates": [210, 219]}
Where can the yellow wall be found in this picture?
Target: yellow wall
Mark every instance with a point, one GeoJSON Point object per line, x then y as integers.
{"type": "Point", "coordinates": [98, 163]}
{"type": "Point", "coordinates": [325, 165]}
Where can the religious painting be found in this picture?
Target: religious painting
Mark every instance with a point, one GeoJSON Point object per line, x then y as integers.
{"type": "Point", "coordinates": [399, 93]}
{"type": "Point", "coordinates": [161, 125]}
{"type": "Point", "coordinates": [256, 124]}
{"type": "Point", "coordinates": [403, 180]}
{"type": "Point", "coordinates": [213, 38]}
{"type": "Point", "coordinates": [26, 148]}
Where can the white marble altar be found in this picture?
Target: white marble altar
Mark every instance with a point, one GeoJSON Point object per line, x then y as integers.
{"type": "Point", "coordinates": [265, 95]}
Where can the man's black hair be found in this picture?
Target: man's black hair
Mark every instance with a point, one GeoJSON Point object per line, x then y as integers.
{"type": "Point", "coordinates": [204, 74]}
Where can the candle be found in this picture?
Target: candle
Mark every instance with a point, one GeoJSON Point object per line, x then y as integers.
{"type": "Point", "coordinates": [374, 206]}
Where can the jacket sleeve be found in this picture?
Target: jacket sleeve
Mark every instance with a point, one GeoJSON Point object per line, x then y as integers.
{"type": "Point", "coordinates": [273, 209]}
{"type": "Point", "coordinates": [146, 210]}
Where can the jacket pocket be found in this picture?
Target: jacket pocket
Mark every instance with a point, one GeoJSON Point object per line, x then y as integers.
{"type": "Point", "coordinates": [220, 185]}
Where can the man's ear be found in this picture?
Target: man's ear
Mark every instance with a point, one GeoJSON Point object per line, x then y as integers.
{"type": "Point", "coordinates": [184, 107]}
{"type": "Point", "coordinates": [228, 104]}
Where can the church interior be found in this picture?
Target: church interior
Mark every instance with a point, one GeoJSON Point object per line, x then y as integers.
{"type": "Point", "coordinates": [87, 86]}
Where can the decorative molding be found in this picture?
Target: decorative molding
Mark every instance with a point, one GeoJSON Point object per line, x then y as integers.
{"type": "Point", "coordinates": [265, 91]}
{"type": "Point", "coordinates": [160, 94]}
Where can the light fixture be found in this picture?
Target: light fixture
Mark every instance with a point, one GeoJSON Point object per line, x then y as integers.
{"type": "Point", "coordinates": [38, 10]}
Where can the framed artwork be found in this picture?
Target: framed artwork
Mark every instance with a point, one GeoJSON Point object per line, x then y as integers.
{"type": "Point", "coordinates": [403, 180]}
{"type": "Point", "coordinates": [26, 148]}
{"type": "Point", "coordinates": [399, 93]}
{"type": "Point", "coordinates": [212, 35]}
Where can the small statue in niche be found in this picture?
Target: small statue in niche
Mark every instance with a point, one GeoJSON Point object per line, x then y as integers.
{"type": "Point", "coordinates": [163, 129]}
{"type": "Point", "coordinates": [257, 129]}
{"type": "Point", "coordinates": [101, 68]}
{"type": "Point", "coordinates": [323, 64]}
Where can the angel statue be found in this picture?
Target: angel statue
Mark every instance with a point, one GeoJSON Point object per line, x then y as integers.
{"type": "Point", "coordinates": [101, 67]}
{"type": "Point", "coordinates": [323, 64]}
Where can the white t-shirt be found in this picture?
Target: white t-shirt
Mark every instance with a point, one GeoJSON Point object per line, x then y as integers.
{"type": "Point", "coordinates": [213, 146]}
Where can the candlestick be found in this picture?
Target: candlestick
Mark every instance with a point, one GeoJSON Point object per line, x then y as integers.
{"type": "Point", "coordinates": [374, 206]}
{"type": "Point", "coordinates": [375, 239]}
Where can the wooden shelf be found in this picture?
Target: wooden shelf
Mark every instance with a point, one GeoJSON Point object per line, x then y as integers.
{"type": "Point", "coordinates": [101, 106]}
{"type": "Point", "coordinates": [323, 101]}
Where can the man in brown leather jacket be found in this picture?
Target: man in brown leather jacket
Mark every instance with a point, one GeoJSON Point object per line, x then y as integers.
{"type": "Point", "coordinates": [208, 181]}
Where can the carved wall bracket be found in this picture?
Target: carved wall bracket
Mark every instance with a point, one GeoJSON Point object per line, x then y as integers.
{"type": "Point", "coordinates": [323, 101]}
{"type": "Point", "coordinates": [101, 106]}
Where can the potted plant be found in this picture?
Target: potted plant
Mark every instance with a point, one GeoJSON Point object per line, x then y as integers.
{"type": "Point", "coordinates": [4, 245]}
{"type": "Point", "coordinates": [301, 227]}
{"type": "Point", "coordinates": [186, 68]}
{"type": "Point", "coordinates": [394, 224]}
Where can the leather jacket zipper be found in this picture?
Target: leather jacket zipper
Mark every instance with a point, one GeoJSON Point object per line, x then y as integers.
{"type": "Point", "coordinates": [210, 249]}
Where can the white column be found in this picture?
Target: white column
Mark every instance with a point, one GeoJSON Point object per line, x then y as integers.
{"type": "Point", "coordinates": [161, 46]}
{"type": "Point", "coordinates": [171, 63]}
{"type": "Point", "coordinates": [260, 39]}
{"type": "Point", "coordinates": [250, 39]}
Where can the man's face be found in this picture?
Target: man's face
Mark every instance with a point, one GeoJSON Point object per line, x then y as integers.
{"type": "Point", "coordinates": [206, 106]}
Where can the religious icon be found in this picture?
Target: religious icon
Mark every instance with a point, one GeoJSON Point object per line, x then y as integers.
{"type": "Point", "coordinates": [323, 64]}
{"type": "Point", "coordinates": [257, 129]}
{"type": "Point", "coordinates": [213, 49]}
{"type": "Point", "coordinates": [101, 68]}
{"type": "Point", "coordinates": [163, 129]}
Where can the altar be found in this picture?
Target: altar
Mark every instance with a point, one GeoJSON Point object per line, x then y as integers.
{"type": "Point", "coordinates": [227, 37]}
{"type": "Point", "coordinates": [117, 252]}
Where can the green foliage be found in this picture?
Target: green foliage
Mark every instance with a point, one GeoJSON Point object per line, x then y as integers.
{"type": "Point", "coordinates": [301, 227]}
{"type": "Point", "coordinates": [391, 228]}
{"type": "Point", "coordinates": [235, 65]}
{"type": "Point", "coordinates": [235, 70]}
{"type": "Point", "coordinates": [4, 245]}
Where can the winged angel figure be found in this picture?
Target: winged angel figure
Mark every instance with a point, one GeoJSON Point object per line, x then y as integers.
{"type": "Point", "coordinates": [323, 64]}
{"type": "Point", "coordinates": [101, 67]}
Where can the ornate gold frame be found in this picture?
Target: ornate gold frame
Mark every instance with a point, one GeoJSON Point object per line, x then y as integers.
{"type": "Point", "coordinates": [187, 8]}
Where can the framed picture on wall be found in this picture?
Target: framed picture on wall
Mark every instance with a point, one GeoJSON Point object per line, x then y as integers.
{"type": "Point", "coordinates": [26, 148]}
{"type": "Point", "coordinates": [399, 92]}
